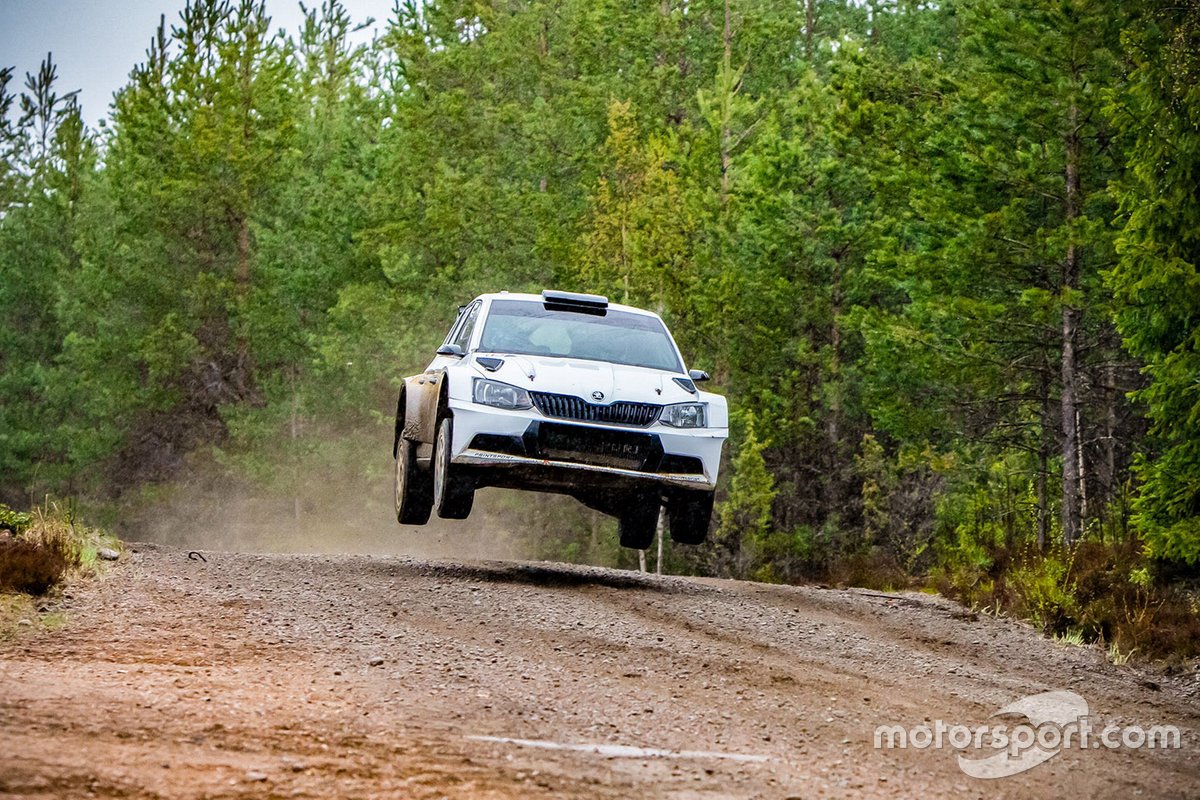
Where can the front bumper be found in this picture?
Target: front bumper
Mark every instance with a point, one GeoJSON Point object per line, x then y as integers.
{"type": "Point", "coordinates": [484, 458]}
{"type": "Point", "coordinates": [542, 451]}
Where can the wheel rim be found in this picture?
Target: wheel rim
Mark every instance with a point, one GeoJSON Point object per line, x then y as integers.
{"type": "Point", "coordinates": [439, 464]}
{"type": "Point", "coordinates": [401, 473]}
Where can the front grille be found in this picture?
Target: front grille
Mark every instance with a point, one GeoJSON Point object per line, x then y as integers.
{"type": "Point", "coordinates": [606, 448]}
{"type": "Point", "coordinates": [563, 406]}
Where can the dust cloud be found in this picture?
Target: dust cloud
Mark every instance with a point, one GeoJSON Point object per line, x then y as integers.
{"type": "Point", "coordinates": [345, 512]}
{"type": "Point", "coordinates": [345, 505]}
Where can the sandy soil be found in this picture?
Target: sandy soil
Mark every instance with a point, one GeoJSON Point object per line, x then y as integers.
{"type": "Point", "coordinates": [354, 676]}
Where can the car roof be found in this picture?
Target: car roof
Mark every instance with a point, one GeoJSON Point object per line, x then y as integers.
{"type": "Point", "coordinates": [537, 298]}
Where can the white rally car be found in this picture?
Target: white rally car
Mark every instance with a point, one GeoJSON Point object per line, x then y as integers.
{"type": "Point", "coordinates": [562, 393]}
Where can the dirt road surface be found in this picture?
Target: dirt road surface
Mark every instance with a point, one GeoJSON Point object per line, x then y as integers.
{"type": "Point", "coordinates": [353, 676]}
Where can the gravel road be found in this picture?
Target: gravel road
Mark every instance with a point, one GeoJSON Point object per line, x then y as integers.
{"type": "Point", "coordinates": [354, 676]}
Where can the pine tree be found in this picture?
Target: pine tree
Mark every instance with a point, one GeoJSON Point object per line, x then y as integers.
{"type": "Point", "coordinates": [159, 310]}
{"type": "Point", "coordinates": [1157, 279]}
{"type": "Point", "coordinates": [1006, 340]}
{"type": "Point", "coordinates": [49, 157]}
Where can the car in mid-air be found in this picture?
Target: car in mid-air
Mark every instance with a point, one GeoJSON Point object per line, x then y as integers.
{"type": "Point", "coordinates": [561, 392]}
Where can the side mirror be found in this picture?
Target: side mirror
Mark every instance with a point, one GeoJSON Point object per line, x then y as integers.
{"type": "Point", "coordinates": [451, 350]}
{"type": "Point", "coordinates": [699, 375]}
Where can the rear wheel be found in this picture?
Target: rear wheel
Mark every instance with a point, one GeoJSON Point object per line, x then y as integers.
{"type": "Point", "coordinates": [637, 524]}
{"type": "Point", "coordinates": [453, 493]}
{"type": "Point", "coordinates": [414, 489]}
{"type": "Point", "coordinates": [689, 513]}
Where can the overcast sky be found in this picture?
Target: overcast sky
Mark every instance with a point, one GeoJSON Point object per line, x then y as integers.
{"type": "Point", "coordinates": [97, 42]}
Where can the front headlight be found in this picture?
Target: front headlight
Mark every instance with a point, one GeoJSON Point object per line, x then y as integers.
{"type": "Point", "coordinates": [500, 395]}
{"type": "Point", "coordinates": [685, 415]}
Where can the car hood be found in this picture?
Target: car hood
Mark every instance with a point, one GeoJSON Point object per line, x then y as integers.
{"type": "Point", "coordinates": [614, 382]}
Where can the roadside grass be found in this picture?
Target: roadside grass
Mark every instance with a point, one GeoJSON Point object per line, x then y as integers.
{"type": "Point", "coordinates": [1117, 657]}
{"type": "Point", "coordinates": [40, 552]}
{"type": "Point", "coordinates": [1072, 638]}
{"type": "Point", "coordinates": [1095, 593]}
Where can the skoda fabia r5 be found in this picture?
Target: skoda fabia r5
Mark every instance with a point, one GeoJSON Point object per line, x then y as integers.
{"type": "Point", "coordinates": [566, 393]}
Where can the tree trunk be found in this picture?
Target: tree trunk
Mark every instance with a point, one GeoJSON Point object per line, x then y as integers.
{"type": "Point", "coordinates": [1110, 433]}
{"type": "Point", "coordinates": [624, 257]}
{"type": "Point", "coordinates": [295, 431]}
{"type": "Point", "coordinates": [242, 216]}
{"type": "Point", "coordinates": [810, 20]}
{"type": "Point", "coordinates": [1083, 497]}
{"type": "Point", "coordinates": [243, 254]}
{"type": "Point", "coordinates": [835, 349]}
{"type": "Point", "coordinates": [241, 377]}
{"type": "Point", "coordinates": [241, 224]}
{"type": "Point", "coordinates": [727, 107]}
{"type": "Point", "coordinates": [662, 517]}
{"type": "Point", "coordinates": [662, 57]}
{"type": "Point", "coordinates": [1070, 328]}
{"type": "Point", "coordinates": [1045, 445]}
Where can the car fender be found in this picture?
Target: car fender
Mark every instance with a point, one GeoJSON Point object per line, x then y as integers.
{"type": "Point", "coordinates": [422, 394]}
{"type": "Point", "coordinates": [718, 409]}
{"type": "Point", "coordinates": [400, 417]}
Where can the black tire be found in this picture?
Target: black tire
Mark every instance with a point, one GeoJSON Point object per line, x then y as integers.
{"type": "Point", "coordinates": [453, 494]}
{"type": "Point", "coordinates": [638, 523]}
{"type": "Point", "coordinates": [689, 513]}
{"type": "Point", "coordinates": [413, 488]}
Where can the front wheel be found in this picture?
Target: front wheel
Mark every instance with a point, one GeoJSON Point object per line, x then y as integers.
{"type": "Point", "coordinates": [414, 490]}
{"type": "Point", "coordinates": [637, 524]}
{"type": "Point", "coordinates": [689, 513]}
{"type": "Point", "coordinates": [453, 494]}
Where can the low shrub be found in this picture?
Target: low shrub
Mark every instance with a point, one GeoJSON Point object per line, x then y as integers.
{"type": "Point", "coordinates": [872, 568]}
{"type": "Point", "coordinates": [1043, 587]}
{"type": "Point", "coordinates": [1095, 591]}
{"type": "Point", "coordinates": [31, 568]}
{"type": "Point", "coordinates": [1171, 629]}
{"type": "Point", "coordinates": [40, 552]}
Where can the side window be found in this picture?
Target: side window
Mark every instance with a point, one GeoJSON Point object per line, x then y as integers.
{"type": "Point", "coordinates": [452, 336]}
{"type": "Point", "coordinates": [463, 335]}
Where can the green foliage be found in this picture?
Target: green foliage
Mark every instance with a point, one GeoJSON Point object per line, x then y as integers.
{"type": "Point", "coordinates": [1044, 590]}
{"type": "Point", "coordinates": [1001, 162]}
{"type": "Point", "coordinates": [47, 157]}
{"type": "Point", "coordinates": [636, 242]}
{"type": "Point", "coordinates": [908, 240]}
{"type": "Point", "coordinates": [1156, 281]}
{"type": "Point", "coordinates": [14, 521]}
{"type": "Point", "coordinates": [746, 513]}
{"type": "Point", "coordinates": [876, 484]}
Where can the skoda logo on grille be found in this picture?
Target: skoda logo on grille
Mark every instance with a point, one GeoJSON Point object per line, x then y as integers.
{"type": "Point", "coordinates": [597, 395]}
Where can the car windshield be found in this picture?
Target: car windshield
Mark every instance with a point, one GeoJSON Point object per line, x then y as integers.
{"type": "Point", "coordinates": [521, 327]}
